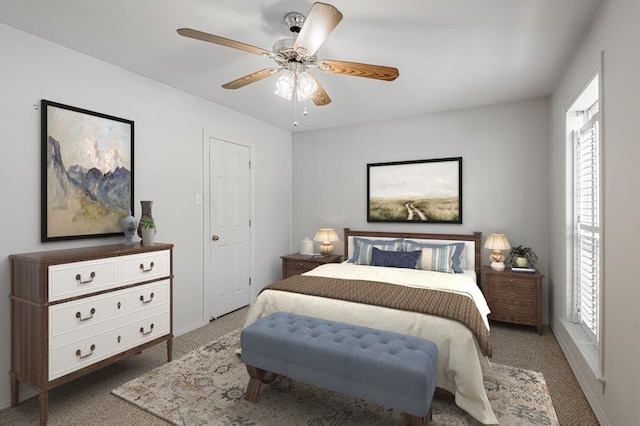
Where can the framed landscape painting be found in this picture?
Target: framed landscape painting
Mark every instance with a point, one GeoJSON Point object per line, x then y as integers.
{"type": "Point", "coordinates": [86, 173]}
{"type": "Point", "coordinates": [423, 191]}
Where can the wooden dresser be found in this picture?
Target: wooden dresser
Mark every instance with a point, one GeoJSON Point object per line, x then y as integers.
{"type": "Point", "coordinates": [514, 297]}
{"type": "Point", "coordinates": [75, 311]}
{"type": "Point", "coordinates": [296, 263]}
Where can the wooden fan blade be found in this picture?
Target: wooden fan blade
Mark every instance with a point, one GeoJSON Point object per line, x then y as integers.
{"type": "Point", "coordinates": [250, 78]}
{"type": "Point", "coordinates": [320, 96]}
{"type": "Point", "coordinates": [199, 35]}
{"type": "Point", "coordinates": [322, 19]}
{"type": "Point", "coordinates": [356, 69]}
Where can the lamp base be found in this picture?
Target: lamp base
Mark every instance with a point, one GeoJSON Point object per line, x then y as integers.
{"type": "Point", "coordinates": [326, 248]}
{"type": "Point", "coordinates": [497, 266]}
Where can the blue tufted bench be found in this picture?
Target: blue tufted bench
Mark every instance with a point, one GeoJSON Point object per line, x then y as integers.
{"type": "Point", "coordinates": [390, 369]}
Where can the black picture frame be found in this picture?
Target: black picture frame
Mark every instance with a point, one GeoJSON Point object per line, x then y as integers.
{"type": "Point", "coordinates": [87, 163]}
{"type": "Point", "coordinates": [420, 191]}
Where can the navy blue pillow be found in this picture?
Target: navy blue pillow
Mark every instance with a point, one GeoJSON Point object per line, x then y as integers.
{"type": "Point", "coordinates": [395, 259]}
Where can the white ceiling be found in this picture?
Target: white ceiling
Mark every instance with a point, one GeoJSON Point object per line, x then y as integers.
{"type": "Point", "coordinates": [451, 54]}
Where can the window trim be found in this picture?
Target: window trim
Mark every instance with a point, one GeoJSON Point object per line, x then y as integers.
{"type": "Point", "coordinates": [593, 355]}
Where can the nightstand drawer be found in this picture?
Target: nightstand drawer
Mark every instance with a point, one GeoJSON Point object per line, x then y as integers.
{"type": "Point", "coordinates": [296, 263]}
{"type": "Point", "coordinates": [514, 317]}
{"type": "Point", "coordinates": [518, 303]}
{"type": "Point", "coordinates": [300, 265]}
{"type": "Point", "coordinates": [511, 291]}
{"type": "Point", "coordinates": [511, 280]}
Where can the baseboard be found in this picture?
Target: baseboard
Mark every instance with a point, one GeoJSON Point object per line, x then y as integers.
{"type": "Point", "coordinates": [188, 328]}
{"type": "Point", "coordinates": [26, 393]}
{"type": "Point", "coordinates": [566, 344]}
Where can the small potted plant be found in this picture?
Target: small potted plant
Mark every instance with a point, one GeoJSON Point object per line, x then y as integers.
{"type": "Point", "coordinates": [522, 256]}
{"type": "Point", "coordinates": [148, 230]}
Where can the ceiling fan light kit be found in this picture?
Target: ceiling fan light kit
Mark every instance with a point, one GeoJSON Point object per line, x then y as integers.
{"type": "Point", "coordinates": [295, 55]}
{"type": "Point", "coordinates": [295, 79]}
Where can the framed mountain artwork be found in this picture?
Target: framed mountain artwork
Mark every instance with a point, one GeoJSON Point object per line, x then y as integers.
{"type": "Point", "coordinates": [86, 172]}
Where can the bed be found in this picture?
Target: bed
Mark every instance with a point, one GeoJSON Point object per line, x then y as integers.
{"type": "Point", "coordinates": [446, 307]}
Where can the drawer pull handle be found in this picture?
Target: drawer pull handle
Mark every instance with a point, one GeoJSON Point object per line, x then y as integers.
{"type": "Point", "coordinates": [119, 305]}
{"type": "Point", "coordinates": [146, 301]}
{"type": "Point", "coordinates": [79, 278]}
{"type": "Point", "coordinates": [146, 332]}
{"type": "Point", "coordinates": [142, 268]}
{"type": "Point", "coordinates": [511, 310]}
{"type": "Point", "coordinates": [79, 315]}
{"type": "Point", "coordinates": [79, 352]}
{"type": "Point", "coordinates": [119, 339]}
{"type": "Point", "coordinates": [511, 295]}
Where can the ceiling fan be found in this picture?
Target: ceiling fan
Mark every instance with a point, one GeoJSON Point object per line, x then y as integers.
{"type": "Point", "coordinates": [293, 56]}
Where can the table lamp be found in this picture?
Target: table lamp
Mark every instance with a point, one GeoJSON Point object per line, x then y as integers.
{"type": "Point", "coordinates": [326, 235]}
{"type": "Point", "coordinates": [497, 243]}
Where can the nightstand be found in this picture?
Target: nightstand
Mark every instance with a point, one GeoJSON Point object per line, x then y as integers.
{"type": "Point", "coordinates": [296, 263]}
{"type": "Point", "coordinates": [514, 297]}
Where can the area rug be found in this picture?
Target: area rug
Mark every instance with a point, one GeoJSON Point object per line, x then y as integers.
{"type": "Point", "coordinates": [206, 387]}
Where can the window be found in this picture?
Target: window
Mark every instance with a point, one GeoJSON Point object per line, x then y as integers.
{"type": "Point", "coordinates": [584, 121]}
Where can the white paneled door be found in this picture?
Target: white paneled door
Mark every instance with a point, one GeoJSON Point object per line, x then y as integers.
{"type": "Point", "coordinates": [229, 210]}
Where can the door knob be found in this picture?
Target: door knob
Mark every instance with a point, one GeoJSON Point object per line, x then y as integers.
{"type": "Point", "coordinates": [215, 238]}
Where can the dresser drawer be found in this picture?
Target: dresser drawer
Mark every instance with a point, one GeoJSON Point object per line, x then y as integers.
{"type": "Point", "coordinates": [80, 278]}
{"type": "Point", "coordinates": [84, 315]}
{"type": "Point", "coordinates": [145, 266]}
{"type": "Point", "coordinates": [72, 356]}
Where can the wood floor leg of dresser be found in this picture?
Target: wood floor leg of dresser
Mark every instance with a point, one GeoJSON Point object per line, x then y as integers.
{"type": "Point", "coordinates": [169, 350]}
{"type": "Point", "coordinates": [44, 407]}
{"type": "Point", "coordinates": [14, 389]}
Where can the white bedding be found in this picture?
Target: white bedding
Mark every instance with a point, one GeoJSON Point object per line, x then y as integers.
{"type": "Point", "coordinates": [460, 360]}
{"type": "Point", "coordinates": [454, 283]}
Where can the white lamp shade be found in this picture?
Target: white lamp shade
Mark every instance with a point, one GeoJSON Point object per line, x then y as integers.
{"type": "Point", "coordinates": [326, 235]}
{"type": "Point", "coordinates": [497, 242]}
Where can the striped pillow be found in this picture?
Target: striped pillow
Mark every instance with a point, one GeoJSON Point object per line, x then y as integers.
{"type": "Point", "coordinates": [456, 259]}
{"type": "Point", "coordinates": [357, 241]}
{"type": "Point", "coordinates": [366, 250]}
{"type": "Point", "coordinates": [437, 259]}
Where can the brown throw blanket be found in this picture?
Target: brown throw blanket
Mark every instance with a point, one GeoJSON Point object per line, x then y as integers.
{"type": "Point", "coordinates": [432, 302]}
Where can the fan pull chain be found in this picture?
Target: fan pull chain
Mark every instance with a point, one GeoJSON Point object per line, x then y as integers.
{"type": "Point", "coordinates": [295, 113]}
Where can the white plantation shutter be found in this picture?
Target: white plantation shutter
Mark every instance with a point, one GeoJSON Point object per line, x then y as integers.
{"type": "Point", "coordinates": [587, 221]}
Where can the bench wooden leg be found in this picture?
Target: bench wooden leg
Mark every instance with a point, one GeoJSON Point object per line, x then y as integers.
{"type": "Point", "coordinates": [411, 420]}
{"type": "Point", "coordinates": [257, 377]}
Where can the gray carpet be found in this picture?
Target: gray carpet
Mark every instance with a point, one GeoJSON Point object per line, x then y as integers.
{"type": "Point", "coordinates": [88, 401]}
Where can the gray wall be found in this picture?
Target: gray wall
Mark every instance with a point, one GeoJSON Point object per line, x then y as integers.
{"type": "Point", "coordinates": [168, 166]}
{"type": "Point", "coordinates": [616, 33]}
{"type": "Point", "coordinates": [504, 150]}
